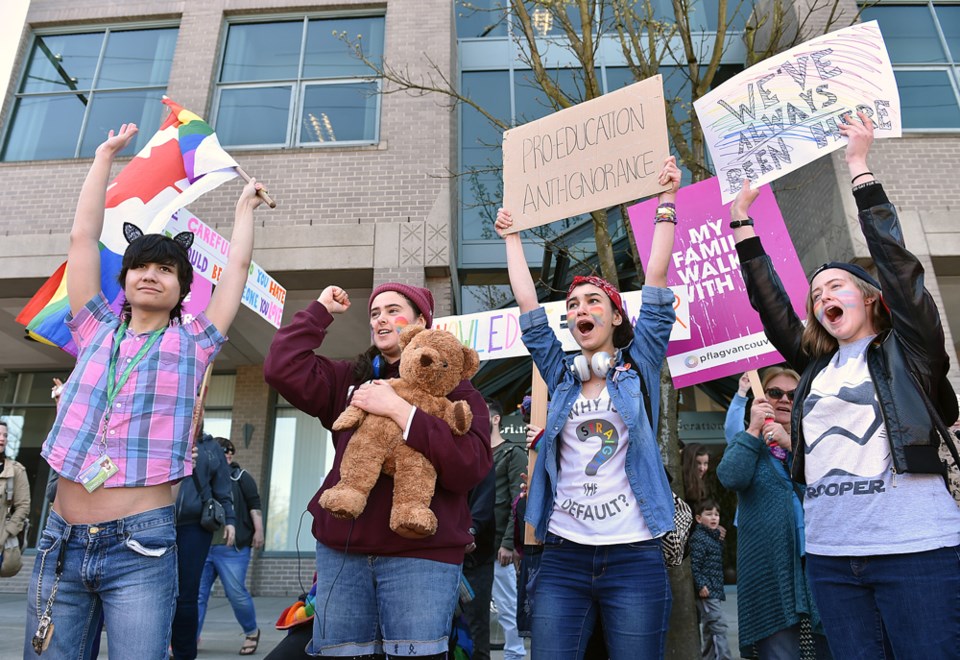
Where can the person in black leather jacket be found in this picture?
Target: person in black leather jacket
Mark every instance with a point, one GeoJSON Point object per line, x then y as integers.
{"type": "Point", "coordinates": [882, 531]}
{"type": "Point", "coordinates": [193, 541]}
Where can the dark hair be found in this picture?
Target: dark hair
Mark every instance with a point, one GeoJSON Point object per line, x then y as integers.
{"type": "Point", "coordinates": [227, 445]}
{"type": "Point", "coordinates": [3, 423]}
{"type": "Point", "coordinates": [363, 364]}
{"type": "Point", "coordinates": [693, 486]}
{"type": "Point", "coordinates": [157, 249]}
{"type": "Point", "coordinates": [623, 333]}
{"type": "Point", "coordinates": [705, 504]}
{"type": "Point", "coordinates": [494, 406]}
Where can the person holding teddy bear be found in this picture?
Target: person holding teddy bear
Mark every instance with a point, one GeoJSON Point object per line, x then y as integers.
{"type": "Point", "coordinates": [379, 592]}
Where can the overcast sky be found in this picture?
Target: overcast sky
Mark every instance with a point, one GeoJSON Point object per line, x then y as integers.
{"type": "Point", "coordinates": [14, 14]}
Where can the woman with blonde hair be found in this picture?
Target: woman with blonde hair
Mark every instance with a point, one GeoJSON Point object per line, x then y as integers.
{"type": "Point", "coordinates": [882, 531]}
{"type": "Point", "coordinates": [772, 592]}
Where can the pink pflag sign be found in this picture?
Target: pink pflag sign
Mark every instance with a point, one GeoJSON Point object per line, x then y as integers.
{"type": "Point", "coordinates": [726, 336]}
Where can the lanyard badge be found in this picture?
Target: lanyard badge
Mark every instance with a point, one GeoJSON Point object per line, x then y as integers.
{"type": "Point", "coordinates": [103, 467]}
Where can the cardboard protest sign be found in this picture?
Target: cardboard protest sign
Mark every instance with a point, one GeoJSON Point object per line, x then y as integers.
{"type": "Point", "coordinates": [496, 334]}
{"type": "Point", "coordinates": [592, 156]}
{"type": "Point", "coordinates": [208, 255]}
{"type": "Point", "coordinates": [785, 112]}
{"type": "Point", "coordinates": [726, 336]}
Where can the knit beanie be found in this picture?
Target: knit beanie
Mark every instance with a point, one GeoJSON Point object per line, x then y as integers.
{"type": "Point", "coordinates": [420, 297]}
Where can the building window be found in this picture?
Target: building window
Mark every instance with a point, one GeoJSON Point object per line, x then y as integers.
{"type": "Point", "coordinates": [297, 83]}
{"type": "Point", "coordinates": [78, 86]}
{"type": "Point", "coordinates": [923, 40]}
{"type": "Point", "coordinates": [300, 459]}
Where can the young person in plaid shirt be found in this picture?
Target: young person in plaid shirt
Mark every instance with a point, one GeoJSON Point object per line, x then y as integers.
{"type": "Point", "coordinates": [121, 439]}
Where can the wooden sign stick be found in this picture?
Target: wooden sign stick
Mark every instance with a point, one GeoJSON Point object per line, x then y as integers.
{"type": "Point", "coordinates": [262, 194]}
{"type": "Point", "coordinates": [538, 417]}
{"type": "Point", "coordinates": [755, 384]}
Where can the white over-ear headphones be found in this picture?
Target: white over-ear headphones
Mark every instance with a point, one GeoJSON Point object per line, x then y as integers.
{"type": "Point", "coordinates": [601, 363]}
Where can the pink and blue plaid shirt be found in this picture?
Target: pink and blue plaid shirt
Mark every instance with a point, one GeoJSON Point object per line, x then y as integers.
{"type": "Point", "coordinates": [148, 432]}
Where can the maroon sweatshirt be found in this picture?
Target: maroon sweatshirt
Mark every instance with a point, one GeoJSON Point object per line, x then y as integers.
{"type": "Point", "coordinates": [319, 386]}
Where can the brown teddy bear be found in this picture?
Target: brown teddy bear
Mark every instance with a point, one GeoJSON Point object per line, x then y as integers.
{"type": "Point", "coordinates": [433, 362]}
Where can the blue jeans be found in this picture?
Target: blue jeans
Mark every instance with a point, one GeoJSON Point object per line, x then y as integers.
{"type": "Point", "coordinates": [904, 606]}
{"type": "Point", "coordinates": [627, 583]}
{"type": "Point", "coordinates": [505, 598]}
{"type": "Point", "coordinates": [230, 565]}
{"type": "Point", "coordinates": [124, 568]}
{"type": "Point", "coordinates": [366, 604]}
{"type": "Point", "coordinates": [193, 544]}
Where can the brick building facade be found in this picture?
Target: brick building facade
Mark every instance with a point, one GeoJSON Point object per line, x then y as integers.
{"type": "Point", "coordinates": [353, 215]}
{"type": "Point", "coordinates": [360, 214]}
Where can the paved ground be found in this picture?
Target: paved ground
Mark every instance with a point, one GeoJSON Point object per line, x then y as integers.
{"type": "Point", "coordinates": [221, 635]}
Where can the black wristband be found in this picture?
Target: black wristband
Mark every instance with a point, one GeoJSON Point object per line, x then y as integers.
{"type": "Point", "coordinates": [734, 224]}
{"type": "Point", "coordinates": [854, 179]}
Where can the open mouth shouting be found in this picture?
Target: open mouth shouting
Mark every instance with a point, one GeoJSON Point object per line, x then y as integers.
{"type": "Point", "coordinates": [832, 313]}
{"type": "Point", "coordinates": [585, 326]}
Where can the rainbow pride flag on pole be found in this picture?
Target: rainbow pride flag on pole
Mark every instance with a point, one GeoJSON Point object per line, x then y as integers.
{"type": "Point", "coordinates": [181, 162]}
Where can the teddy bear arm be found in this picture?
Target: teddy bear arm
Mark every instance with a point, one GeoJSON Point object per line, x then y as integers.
{"type": "Point", "coordinates": [350, 418]}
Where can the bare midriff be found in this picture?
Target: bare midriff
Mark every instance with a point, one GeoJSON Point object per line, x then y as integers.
{"type": "Point", "coordinates": [78, 507]}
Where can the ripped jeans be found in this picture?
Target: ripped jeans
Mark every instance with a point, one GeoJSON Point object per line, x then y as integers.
{"type": "Point", "coordinates": [126, 568]}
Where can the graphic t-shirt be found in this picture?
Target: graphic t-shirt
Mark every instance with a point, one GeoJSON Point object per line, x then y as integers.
{"type": "Point", "coordinates": [595, 504]}
{"type": "Point", "coordinates": [854, 504]}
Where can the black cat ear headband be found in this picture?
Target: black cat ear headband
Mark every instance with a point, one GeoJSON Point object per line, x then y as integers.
{"type": "Point", "coordinates": [131, 232]}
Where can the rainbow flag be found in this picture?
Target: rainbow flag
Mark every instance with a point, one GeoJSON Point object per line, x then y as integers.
{"type": "Point", "coordinates": [181, 162]}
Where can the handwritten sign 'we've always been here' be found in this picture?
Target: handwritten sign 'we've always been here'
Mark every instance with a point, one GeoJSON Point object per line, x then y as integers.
{"type": "Point", "coordinates": [786, 111]}
{"type": "Point", "coordinates": [591, 156]}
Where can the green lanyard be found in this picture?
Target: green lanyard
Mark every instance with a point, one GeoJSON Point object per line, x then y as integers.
{"type": "Point", "coordinates": [113, 385]}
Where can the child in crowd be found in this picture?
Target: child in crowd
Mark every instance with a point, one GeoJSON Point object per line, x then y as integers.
{"type": "Point", "coordinates": [122, 436]}
{"type": "Point", "coordinates": [706, 562]}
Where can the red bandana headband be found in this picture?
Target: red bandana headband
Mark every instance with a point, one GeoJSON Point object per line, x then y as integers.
{"type": "Point", "coordinates": [604, 286]}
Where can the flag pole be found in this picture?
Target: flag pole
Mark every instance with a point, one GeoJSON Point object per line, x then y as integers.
{"type": "Point", "coordinates": [262, 194]}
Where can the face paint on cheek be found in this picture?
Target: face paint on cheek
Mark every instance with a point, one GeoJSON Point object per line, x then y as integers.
{"type": "Point", "coordinates": [818, 310]}
{"type": "Point", "coordinates": [596, 311]}
{"type": "Point", "coordinates": [400, 322]}
{"type": "Point", "coordinates": [848, 298]}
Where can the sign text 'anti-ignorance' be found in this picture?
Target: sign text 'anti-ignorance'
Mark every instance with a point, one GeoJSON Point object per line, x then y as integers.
{"type": "Point", "coordinates": [786, 111]}
{"type": "Point", "coordinates": [496, 334]}
{"type": "Point", "coordinates": [590, 156]}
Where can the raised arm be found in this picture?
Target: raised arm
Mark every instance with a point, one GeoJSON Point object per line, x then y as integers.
{"type": "Point", "coordinates": [83, 257]}
{"type": "Point", "coordinates": [767, 295]}
{"type": "Point", "coordinates": [226, 297]}
{"type": "Point", "coordinates": [524, 290]}
{"type": "Point", "coordinates": [661, 248]}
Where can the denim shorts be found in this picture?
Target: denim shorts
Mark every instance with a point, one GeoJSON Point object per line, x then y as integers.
{"type": "Point", "coordinates": [126, 568]}
{"type": "Point", "coordinates": [366, 604]}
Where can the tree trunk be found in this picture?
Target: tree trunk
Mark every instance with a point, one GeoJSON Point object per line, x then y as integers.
{"type": "Point", "coordinates": [683, 635]}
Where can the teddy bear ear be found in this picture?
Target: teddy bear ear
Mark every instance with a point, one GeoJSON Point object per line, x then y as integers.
{"type": "Point", "coordinates": [471, 362]}
{"type": "Point", "coordinates": [408, 333]}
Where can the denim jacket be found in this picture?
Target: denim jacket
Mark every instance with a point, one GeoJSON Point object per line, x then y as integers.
{"type": "Point", "coordinates": [644, 467]}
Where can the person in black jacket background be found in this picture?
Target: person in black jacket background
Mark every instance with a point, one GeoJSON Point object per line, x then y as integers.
{"type": "Point", "coordinates": [230, 563]}
{"type": "Point", "coordinates": [478, 563]}
{"type": "Point", "coordinates": [193, 541]}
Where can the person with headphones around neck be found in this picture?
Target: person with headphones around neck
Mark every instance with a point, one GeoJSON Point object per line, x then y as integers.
{"type": "Point", "coordinates": [599, 498]}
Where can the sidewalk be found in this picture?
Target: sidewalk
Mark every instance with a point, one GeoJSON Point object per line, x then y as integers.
{"type": "Point", "coordinates": [222, 638]}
